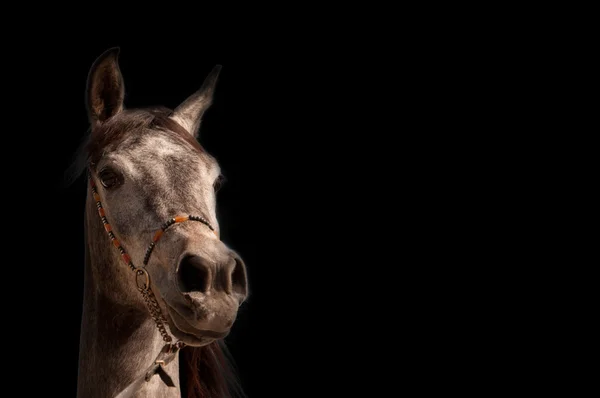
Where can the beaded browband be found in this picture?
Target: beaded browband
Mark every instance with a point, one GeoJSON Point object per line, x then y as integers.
{"type": "Point", "coordinates": [145, 287]}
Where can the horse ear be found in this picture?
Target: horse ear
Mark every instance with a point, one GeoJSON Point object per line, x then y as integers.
{"type": "Point", "coordinates": [189, 112]}
{"type": "Point", "coordinates": [105, 90]}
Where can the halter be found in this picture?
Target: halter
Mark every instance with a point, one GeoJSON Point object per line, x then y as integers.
{"type": "Point", "coordinates": [143, 284]}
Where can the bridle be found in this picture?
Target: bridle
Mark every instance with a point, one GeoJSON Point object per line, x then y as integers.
{"type": "Point", "coordinates": [143, 284]}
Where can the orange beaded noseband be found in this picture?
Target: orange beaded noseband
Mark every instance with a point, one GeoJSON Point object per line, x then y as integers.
{"type": "Point", "coordinates": [144, 287]}
{"type": "Point", "coordinates": [167, 224]}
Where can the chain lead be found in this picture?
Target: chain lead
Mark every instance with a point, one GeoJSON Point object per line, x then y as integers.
{"type": "Point", "coordinates": [155, 313]}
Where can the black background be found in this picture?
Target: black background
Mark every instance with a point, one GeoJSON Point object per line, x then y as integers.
{"type": "Point", "coordinates": [277, 128]}
{"type": "Point", "coordinates": [353, 186]}
{"type": "Point", "coordinates": [376, 188]}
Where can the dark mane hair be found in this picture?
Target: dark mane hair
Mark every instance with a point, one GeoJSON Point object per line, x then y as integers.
{"type": "Point", "coordinates": [209, 372]}
{"type": "Point", "coordinates": [205, 372]}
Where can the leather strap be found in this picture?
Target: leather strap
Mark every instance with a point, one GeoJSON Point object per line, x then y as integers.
{"type": "Point", "coordinates": [165, 356]}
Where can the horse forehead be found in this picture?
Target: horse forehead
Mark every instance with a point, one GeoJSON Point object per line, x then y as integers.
{"type": "Point", "coordinates": [157, 150]}
{"type": "Point", "coordinates": [158, 144]}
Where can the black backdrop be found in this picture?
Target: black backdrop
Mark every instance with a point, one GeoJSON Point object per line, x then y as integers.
{"type": "Point", "coordinates": [359, 194]}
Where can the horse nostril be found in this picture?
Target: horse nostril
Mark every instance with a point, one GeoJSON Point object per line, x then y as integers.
{"type": "Point", "coordinates": [238, 277]}
{"type": "Point", "coordinates": [193, 275]}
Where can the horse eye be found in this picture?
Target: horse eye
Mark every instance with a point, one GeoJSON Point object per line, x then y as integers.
{"type": "Point", "coordinates": [109, 178]}
{"type": "Point", "coordinates": [219, 183]}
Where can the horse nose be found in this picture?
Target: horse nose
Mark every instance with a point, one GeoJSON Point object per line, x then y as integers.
{"type": "Point", "coordinates": [203, 275]}
{"type": "Point", "coordinates": [194, 274]}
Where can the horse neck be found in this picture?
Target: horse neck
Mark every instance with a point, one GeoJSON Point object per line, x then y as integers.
{"type": "Point", "coordinates": [119, 339]}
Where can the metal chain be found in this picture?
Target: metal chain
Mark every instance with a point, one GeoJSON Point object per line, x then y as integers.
{"type": "Point", "coordinates": [155, 312]}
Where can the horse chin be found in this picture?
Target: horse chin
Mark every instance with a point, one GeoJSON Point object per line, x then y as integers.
{"type": "Point", "coordinates": [189, 339]}
{"type": "Point", "coordinates": [191, 336]}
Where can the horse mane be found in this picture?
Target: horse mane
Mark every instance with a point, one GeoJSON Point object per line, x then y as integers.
{"type": "Point", "coordinates": [209, 372]}
{"type": "Point", "coordinates": [205, 372]}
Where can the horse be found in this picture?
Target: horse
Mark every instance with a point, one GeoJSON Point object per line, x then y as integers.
{"type": "Point", "coordinates": [159, 283]}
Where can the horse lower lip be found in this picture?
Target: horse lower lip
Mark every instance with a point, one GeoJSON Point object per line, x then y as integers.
{"type": "Point", "coordinates": [185, 327]}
